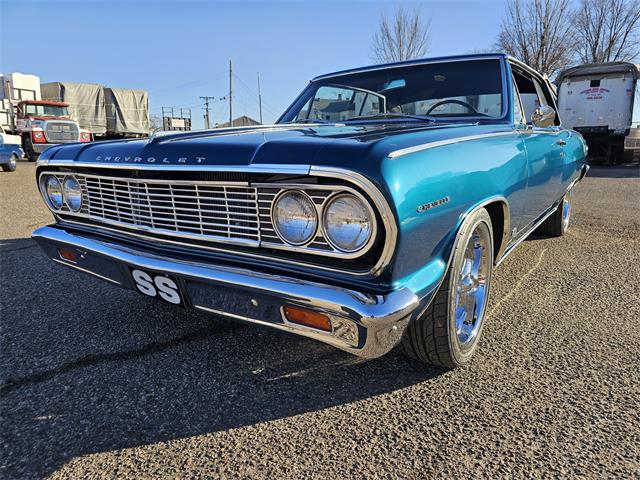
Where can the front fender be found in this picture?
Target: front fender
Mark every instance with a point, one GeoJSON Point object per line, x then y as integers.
{"type": "Point", "coordinates": [434, 190]}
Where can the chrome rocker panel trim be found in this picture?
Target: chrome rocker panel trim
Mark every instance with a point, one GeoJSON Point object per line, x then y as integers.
{"type": "Point", "coordinates": [380, 320]}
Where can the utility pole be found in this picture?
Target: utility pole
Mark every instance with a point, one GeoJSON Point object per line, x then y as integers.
{"type": "Point", "coordinates": [259, 98]}
{"type": "Point", "coordinates": [230, 94]}
{"type": "Point", "coordinates": [207, 122]}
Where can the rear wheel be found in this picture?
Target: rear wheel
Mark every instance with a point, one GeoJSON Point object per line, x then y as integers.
{"type": "Point", "coordinates": [13, 163]}
{"type": "Point", "coordinates": [448, 332]}
{"type": "Point", "coordinates": [558, 223]}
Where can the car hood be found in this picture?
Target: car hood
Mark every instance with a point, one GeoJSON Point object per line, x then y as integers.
{"type": "Point", "coordinates": [335, 145]}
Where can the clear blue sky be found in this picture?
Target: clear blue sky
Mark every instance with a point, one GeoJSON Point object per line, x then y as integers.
{"type": "Point", "coordinates": [178, 51]}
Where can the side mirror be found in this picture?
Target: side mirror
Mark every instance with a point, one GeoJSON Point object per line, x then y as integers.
{"type": "Point", "coordinates": [543, 117]}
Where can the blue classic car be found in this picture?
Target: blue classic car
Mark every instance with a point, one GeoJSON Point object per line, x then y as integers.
{"type": "Point", "coordinates": [10, 151]}
{"type": "Point", "coordinates": [371, 215]}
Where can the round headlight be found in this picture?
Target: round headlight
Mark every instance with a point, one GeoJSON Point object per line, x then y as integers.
{"type": "Point", "coordinates": [54, 191]}
{"type": "Point", "coordinates": [347, 223]}
{"type": "Point", "coordinates": [294, 217]}
{"type": "Point", "coordinates": [72, 193]}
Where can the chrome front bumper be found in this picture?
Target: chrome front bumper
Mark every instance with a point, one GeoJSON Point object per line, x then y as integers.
{"type": "Point", "coordinates": [41, 147]}
{"type": "Point", "coordinates": [362, 324]}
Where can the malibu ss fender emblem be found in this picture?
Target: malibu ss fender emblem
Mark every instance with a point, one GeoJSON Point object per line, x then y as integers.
{"type": "Point", "coordinates": [434, 204]}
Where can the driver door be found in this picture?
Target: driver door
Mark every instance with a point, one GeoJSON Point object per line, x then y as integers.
{"type": "Point", "coordinates": [544, 149]}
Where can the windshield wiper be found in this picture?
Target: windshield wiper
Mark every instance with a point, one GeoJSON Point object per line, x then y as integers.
{"type": "Point", "coordinates": [423, 118]}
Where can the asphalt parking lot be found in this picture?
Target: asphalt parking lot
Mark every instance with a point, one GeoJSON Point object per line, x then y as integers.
{"type": "Point", "coordinates": [100, 382]}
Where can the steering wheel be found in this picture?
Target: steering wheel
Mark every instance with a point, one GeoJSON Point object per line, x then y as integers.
{"type": "Point", "coordinates": [456, 102]}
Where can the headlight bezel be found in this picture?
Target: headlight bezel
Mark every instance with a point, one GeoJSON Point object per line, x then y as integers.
{"type": "Point", "coordinates": [368, 211]}
{"type": "Point", "coordinates": [67, 196]}
{"type": "Point", "coordinates": [274, 222]}
{"type": "Point", "coordinates": [321, 243]}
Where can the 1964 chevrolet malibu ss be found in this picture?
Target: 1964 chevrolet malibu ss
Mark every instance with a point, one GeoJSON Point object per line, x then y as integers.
{"type": "Point", "coordinates": [371, 215]}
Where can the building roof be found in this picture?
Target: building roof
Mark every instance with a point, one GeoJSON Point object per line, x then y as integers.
{"type": "Point", "coordinates": [242, 121]}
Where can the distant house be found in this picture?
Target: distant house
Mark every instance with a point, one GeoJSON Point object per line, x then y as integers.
{"type": "Point", "coordinates": [242, 121]}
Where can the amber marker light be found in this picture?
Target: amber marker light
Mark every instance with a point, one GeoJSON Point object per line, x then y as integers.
{"type": "Point", "coordinates": [307, 318]}
{"type": "Point", "coordinates": [67, 254]}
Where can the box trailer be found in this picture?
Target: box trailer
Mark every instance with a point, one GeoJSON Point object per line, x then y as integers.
{"type": "Point", "coordinates": [602, 102]}
{"type": "Point", "coordinates": [127, 112]}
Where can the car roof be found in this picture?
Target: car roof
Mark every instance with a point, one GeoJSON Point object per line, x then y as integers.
{"type": "Point", "coordinates": [419, 61]}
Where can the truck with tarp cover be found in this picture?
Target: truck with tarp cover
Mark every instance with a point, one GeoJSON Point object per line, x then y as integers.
{"type": "Point", "coordinates": [106, 112]}
{"type": "Point", "coordinates": [86, 100]}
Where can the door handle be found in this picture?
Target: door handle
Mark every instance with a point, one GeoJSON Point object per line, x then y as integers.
{"type": "Point", "coordinates": [561, 142]}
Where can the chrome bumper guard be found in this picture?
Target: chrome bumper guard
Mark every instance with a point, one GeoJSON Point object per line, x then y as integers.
{"type": "Point", "coordinates": [362, 324]}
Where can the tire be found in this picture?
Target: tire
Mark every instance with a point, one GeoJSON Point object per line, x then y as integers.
{"type": "Point", "coordinates": [440, 336]}
{"type": "Point", "coordinates": [32, 156]}
{"type": "Point", "coordinates": [558, 223]}
{"type": "Point", "coordinates": [11, 166]}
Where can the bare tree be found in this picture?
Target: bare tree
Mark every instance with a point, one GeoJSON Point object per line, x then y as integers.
{"type": "Point", "coordinates": [403, 37]}
{"type": "Point", "coordinates": [155, 123]}
{"type": "Point", "coordinates": [539, 32]}
{"type": "Point", "coordinates": [608, 30]}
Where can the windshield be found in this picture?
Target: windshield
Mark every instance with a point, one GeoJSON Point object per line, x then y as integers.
{"type": "Point", "coordinates": [470, 88]}
{"type": "Point", "coordinates": [46, 110]}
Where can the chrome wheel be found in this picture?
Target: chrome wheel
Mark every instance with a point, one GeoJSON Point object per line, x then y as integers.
{"type": "Point", "coordinates": [471, 287]}
{"type": "Point", "coordinates": [566, 209]}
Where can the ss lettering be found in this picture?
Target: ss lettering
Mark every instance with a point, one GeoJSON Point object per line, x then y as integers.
{"type": "Point", "coordinates": [158, 285]}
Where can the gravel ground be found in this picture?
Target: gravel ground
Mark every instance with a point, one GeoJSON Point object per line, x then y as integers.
{"type": "Point", "coordinates": [100, 382]}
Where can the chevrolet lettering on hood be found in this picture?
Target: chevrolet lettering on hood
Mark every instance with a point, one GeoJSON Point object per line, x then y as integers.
{"type": "Point", "coordinates": [370, 216]}
{"type": "Point", "coordinates": [165, 160]}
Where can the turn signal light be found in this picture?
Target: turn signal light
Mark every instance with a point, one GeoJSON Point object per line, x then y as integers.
{"type": "Point", "coordinates": [68, 254]}
{"type": "Point", "coordinates": [307, 318]}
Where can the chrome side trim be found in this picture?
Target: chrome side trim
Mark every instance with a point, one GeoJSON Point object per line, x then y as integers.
{"type": "Point", "coordinates": [524, 236]}
{"type": "Point", "coordinates": [449, 141]}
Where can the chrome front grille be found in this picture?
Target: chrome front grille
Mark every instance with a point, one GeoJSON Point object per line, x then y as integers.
{"type": "Point", "coordinates": [224, 211]}
{"type": "Point", "coordinates": [189, 208]}
{"type": "Point", "coordinates": [61, 132]}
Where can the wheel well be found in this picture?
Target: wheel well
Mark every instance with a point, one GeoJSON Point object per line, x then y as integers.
{"type": "Point", "coordinates": [499, 211]}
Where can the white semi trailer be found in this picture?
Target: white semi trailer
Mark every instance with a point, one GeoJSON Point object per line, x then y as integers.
{"type": "Point", "coordinates": [602, 102]}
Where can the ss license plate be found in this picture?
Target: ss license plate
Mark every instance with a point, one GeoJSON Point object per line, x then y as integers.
{"type": "Point", "coordinates": [157, 285]}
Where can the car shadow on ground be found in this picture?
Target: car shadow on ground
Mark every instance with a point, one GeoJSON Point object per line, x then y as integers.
{"type": "Point", "coordinates": [627, 170]}
{"type": "Point", "coordinates": [88, 367]}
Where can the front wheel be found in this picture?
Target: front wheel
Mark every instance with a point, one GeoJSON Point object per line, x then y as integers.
{"type": "Point", "coordinates": [32, 156]}
{"type": "Point", "coordinates": [448, 332]}
{"type": "Point", "coordinates": [11, 166]}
